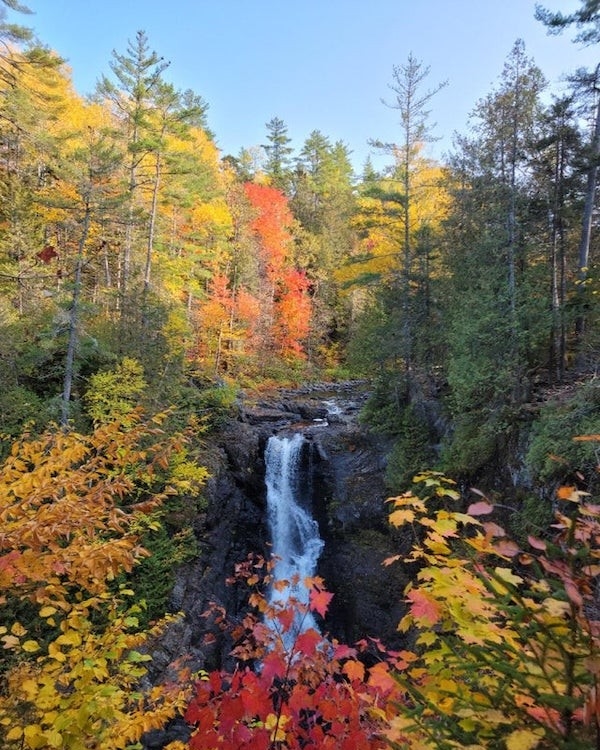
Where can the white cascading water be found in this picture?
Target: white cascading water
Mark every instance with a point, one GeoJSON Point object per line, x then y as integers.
{"type": "Point", "coordinates": [295, 540]}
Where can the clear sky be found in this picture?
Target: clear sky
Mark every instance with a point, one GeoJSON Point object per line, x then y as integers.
{"type": "Point", "coordinates": [316, 64]}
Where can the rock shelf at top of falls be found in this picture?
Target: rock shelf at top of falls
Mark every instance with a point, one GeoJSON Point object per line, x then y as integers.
{"type": "Point", "coordinates": [310, 405]}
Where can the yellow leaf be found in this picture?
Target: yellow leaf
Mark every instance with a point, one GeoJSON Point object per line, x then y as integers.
{"type": "Point", "coordinates": [427, 638]}
{"type": "Point", "coordinates": [557, 608]}
{"type": "Point", "coordinates": [72, 638]}
{"type": "Point", "coordinates": [14, 734]}
{"type": "Point", "coordinates": [275, 724]}
{"type": "Point", "coordinates": [522, 739]}
{"type": "Point", "coordinates": [54, 738]}
{"type": "Point", "coordinates": [31, 646]}
{"type": "Point", "coordinates": [505, 574]}
{"type": "Point", "coordinates": [34, 736]}
{"type": "Point", "coordinates": [47, 611]}
{"type": "Point", "coordinates": [55, 653]}
{"type": "Point", "coordinates": [18, 629]}
{"type": "Point", "coordinates": [402, 516]}
{"type": "Point", "coordinates": [30, 687]}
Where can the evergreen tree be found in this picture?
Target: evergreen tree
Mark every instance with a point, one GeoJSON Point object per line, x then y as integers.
{"type": "Point", "coordinates": [278, 153]}
{"type": "Point", "coordinates": [497, 311]}
{"type": "Point", "coordinates": [587, 20]}
{"type": "Point", "coordinates": [558, 188]}
{"type": "Point", "coordinates": [323, 203]}
{"type": "Point", "coordinates": [132, 94]}
{"type": "Point", "coordinates": [398, 217]}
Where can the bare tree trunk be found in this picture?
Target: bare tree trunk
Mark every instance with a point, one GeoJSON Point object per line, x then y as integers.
{"type": "Point", "coordinates": [586, 226]}
{"type": "Point", "coordinates": [152, 225]}
{"type": "Point", "coordinates": [74, 323]}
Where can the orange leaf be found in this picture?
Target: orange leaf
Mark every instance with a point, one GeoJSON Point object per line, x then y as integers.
{"type": "Point", "coordinates": [380, 678]}
{"type": "Point", "coordinates": [402, 516]}
{"type": "Point", "coordinates": [355, 670]}
{"type": "Point", "coordinates": [565, 493]}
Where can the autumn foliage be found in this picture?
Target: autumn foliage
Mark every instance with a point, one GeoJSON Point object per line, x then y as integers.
{"type": "Point", "coordinates": [508, 636]}
{"type": "Point", "coordinates": [314, 693]}
{"type": "Point", "coordinates": [72, 508]}
{"type": "Point", "coordinates": [286, 286]}
{"type": "Point", "coordinates": [257, 307]}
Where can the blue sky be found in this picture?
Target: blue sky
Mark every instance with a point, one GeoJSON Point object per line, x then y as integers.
{"type": "Point", "coordinates": [316, 64]}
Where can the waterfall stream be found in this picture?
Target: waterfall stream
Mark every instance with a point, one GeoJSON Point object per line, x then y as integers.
{"type": "Point", "coordinates": [295, 540]}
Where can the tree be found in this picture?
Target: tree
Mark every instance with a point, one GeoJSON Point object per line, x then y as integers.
{"type": "Point", "coordinates": [411, 102]}
{"type": "Point", "coordinates": [557, 178]}
{"type": "Point", "coordinates": [138, 75]}
{"type": "Point", "coordinates": [396, 263]}
{"type": "Point", "coordinates": [323, 200]}
{"type": "Point", "coordinates": [498, 317]}
{"type": "Point", "coordinates": [92, 188]}
{"type": "Point", "coordinates": [278, 152]}
{"type": "Point", "coordinates": [586, 18]}
{"type": "Point", "coordinates": [283, 293]}
{"type": "Point", "coordinates": [175, 114]}
{"type": "Point", "coordinates": [32, 56]}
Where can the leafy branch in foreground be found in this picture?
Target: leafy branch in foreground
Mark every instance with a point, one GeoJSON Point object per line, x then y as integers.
{"type": "Point", "coordinates": [301, 692]}
{"type": "Point", "coordinates": [72, 666]}
{"type": "Point", "coordinates": [507, 639]}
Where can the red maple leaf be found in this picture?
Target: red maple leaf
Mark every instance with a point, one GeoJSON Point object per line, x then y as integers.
{"type": "Point", "coordinates": [319, 601]}
{"type": "Point", "coordinates": [308, 642]}
{"type": "Point", "coordinates": [273, 665]}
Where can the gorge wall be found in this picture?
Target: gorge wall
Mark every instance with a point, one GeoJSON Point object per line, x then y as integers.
{"type": "Point", "coordinates": [348, 500]}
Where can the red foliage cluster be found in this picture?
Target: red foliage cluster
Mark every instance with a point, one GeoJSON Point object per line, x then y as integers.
{"type": "Point", "coordinates": [314, 694]}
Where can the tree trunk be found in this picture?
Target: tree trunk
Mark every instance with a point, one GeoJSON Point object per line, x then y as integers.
{"type": "Point", "coordinates": [74, 323]}
{"type": "Point", "coordinates": [586, 227]}
{"type": "Point", "coordinates": [152, 225]}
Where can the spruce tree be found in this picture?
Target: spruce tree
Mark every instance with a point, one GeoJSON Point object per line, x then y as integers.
{"type": "Point", "coordinates": [278, 153]}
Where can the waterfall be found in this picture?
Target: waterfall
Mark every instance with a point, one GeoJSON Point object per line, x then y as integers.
{"type": "Point", "coordinates": [295, 540]}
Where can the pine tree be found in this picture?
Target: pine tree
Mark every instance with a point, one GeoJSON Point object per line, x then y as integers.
{"type": "Point", "coordinates": [132, 95]}
{"type": "Point", "coordinates": [278, 153]}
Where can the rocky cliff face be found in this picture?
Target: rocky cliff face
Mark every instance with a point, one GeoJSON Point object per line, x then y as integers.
{"type": "Point", "coordinates": [348, 499]}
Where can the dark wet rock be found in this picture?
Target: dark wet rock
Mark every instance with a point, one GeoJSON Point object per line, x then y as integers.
{"type": "Point", "coordinates": [256, 415]}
